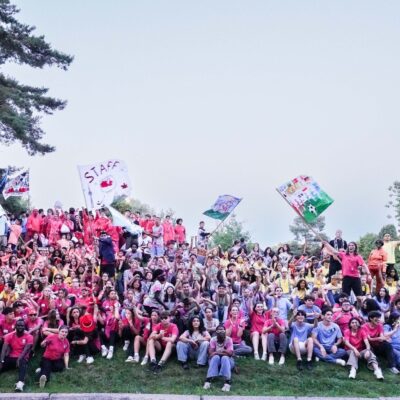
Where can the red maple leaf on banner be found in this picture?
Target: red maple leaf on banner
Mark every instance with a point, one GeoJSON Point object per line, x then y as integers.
{"type": "Point", "coordinates": [124, 186]}
{"type": "Point", "coordinates": [105, 184]}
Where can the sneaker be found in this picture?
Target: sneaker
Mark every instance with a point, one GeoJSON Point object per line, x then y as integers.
{"type": "Point", "coordinates": [110, 354]}
{"type": "Point", "coordinates": [299, 365]}
{"type": "Point", "coordinates": [271, 359]}
{"type": "Point", "coordinates": [136, 358]}
{"type": "Point", "coordinates": [394, 370]}
{"type": "Point", "coordinates": [207, 385]}
{"type": "Point", "coordinates": [81, 358]}
{"type": "Point", "coordinates": [158, 368]}
{"type": "Point", "coordinates": [316, 359]}
{"type": "Point", "coordinates": [185, 365]}
{"type": "Point", "coordinates": [19, 386]}
{"type": "Point", "coordinates": [341, 362]}
{"type": "Point", "coordinates": [104, 351]}
{"type": "Point", "coordinates": [282, 360]}
{"type": "Point", "coordinates": [145, 360]}
{"type": "Point", "coordinates": [153, 366]}
{"type": "Point", "coordinates": [90, 360]}
{"type": "Point", "coordinates": [378, 374]}
{"type": "Point", "coordinates": [126, 345]}
{"type": "Point", "coordinates": [309, 365]}
{"type": "Point", "coordinates": [226, 387]}
{"type": "Point", "coordinates": [37, 370]}
{"type": "Point", "coordinates": [264, 357]}
{"type": "Point", "coordinates": [256, 356]}
{"type": "Point", "coordinates": [130, 359]}
{"type": "Point", "coordinates": [42, 381]}
{"type": "Point", "coordinates": [353, 372]}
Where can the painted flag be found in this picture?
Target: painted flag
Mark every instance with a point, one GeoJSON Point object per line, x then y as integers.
{"type": "Point", "coordinates": [224, 205]}
{"type": "Point", "coordinates": [17, 186]}
{"type": "Point", "coordinates": [306, 197]}
{"type": "Point", "coordinates": [120, 220]}
{"type": "Point", "coordinates": [103, 181]}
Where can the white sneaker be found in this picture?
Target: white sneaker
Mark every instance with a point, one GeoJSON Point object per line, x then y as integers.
{"type": "Point", "coordinates": [145, 360]}
{"type": "Point", "coordinates": [264, 357]}
{"type": "Point", "coordinates": [136, 358]}
{"type": "Point", "coordinates": [226, 387]}
{"type": "Point", "coordinates": [126, 345]}
{"type": "Point", "coordinates": [271, 359]}
{"type": "Point", "coordinates": [394, 370]}
{"type": "Point", "coordinates": [42, 381]}
{"type": "Point", "coordinates": [110, 354]}
{"type": "Point", "coordinates": [90, 360]}
{"type": "Point", "coordinates": [378, 374]}
{"type": "Point", "coordinates": [282, 360]}
{"type": "Point", "coordinates": [207, 385]}
{"type": "Point", "coordinates": [353, 372]}
{"type": "Point", "coordinates": [256, 356]}
{"type": "Point", "coordinates": [104, 351]}
{"type": "Point", "coordinates": [130, 359]}
{"type": "Point", "coordinates": [37, 370]}
{"type": "Point", "coordinates": [19, 386]}
{"type": "Point", "coordinates": [81, 358]}
{"type": "Point", "coordinates": [341, 362]}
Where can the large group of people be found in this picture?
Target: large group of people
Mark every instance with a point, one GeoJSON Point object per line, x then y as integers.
{"type": "Point", "coordinates": [79, 287]}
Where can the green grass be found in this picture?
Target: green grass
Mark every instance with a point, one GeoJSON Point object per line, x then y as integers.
{"type": "Point", "coordinates": [255, 378]}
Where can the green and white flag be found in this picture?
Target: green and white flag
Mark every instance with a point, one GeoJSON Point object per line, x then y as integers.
{"type": "Point", "coordinates": [224, 205]}
{"type": "Point", "coordinates": [306, 197]}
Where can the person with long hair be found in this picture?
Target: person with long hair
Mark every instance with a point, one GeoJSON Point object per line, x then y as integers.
{"type": "Point", "coordinates": [382, 298]}
{"type": "Point", "coordinates": [235, 326]}
{"type": "Point", "coordinates": [257, 322]}
{"type": "Point", "coordinates": [377, 264]}
{"type": "Point", "coordinates": [142, 338]}
{"type": "Point", "coordinates": [193, 343]}
{"type": "Point", "coordinates": [52, 323]}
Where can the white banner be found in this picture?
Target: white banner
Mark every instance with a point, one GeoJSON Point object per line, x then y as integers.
{"type": "Point", "coordinates": [17, 186]}
{"type": "Point", "coordinates": [102, 182]}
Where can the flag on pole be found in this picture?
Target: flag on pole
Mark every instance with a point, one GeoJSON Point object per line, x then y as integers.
{"type": "Point", "coordinates": [224, 205]}
{"type": "Point", "coordinates": [120, 220]}
{"type": "Point", "coordinates": [102, 182]}
{"type": "Point", "coordinates": [306, 197]}
{"type": "Point", "coordinates": [17, 186]}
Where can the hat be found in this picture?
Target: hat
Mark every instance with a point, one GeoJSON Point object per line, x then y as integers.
{"type": "Point", "coordinates": [86, 323]}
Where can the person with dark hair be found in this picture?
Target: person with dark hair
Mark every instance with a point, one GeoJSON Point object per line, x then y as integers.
{"type": "Point", "coordinates": [327, 338]}
{"type": "Point", "coordinates": [344, 315]}
{"type": "Point", "coordinates": [377, 264]}
{"type": "Point", "coordinates": [351, 262]}
{"type": "Point", "coordinates": [56, 355]}
{"type": "Point", "coordinates": [221, 362]}
{"type": "Point", "coordinates": [392, 332]}
{"type": "Point", "coordinates": [274, 331]}
{"type": "Point", "coordinates": [338, 244]}
{"type": "Point", "coordinates": [312, 311]}
{"type": "Point", "coordinates": [390, 246]}
{"type": "Point", "coordinates": [7, 323]}
{"type": "Point", "coordinates": [382, 298]}
{"type": "Point", "coordinates": [300, 341]}
{"type": "Point", "coordinates": [106, 254]}
{"type": "Point", "coordinates": [358, 347]}
{"type": "Point", "coordinates": [180, 231]}
{"type": "Point", "coordinates": [193, 343]}
{"type": "Point", "coordinates": [15, 353]}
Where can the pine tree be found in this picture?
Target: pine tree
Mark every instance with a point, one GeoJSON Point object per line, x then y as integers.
{"type": "Point", "coordinates": [21, 105]}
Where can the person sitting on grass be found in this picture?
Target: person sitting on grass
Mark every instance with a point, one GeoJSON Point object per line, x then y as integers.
{"type": "Point", "coordinates": [274, 331]}
{"type": "Point", "coordinates": [56, 355]}
{"type": "Point", "coordinates": [358, 347]}
{"type": "Point", "coordinates": [15, 353]}
{"type": "Point", "coordinates": [257, 320]}
{"type": "Point", "coordinates": [193, 343]}
{"type": "Point", "coordinates": [327, 338]}
{"type": "Point", "coordinates": [163, 339]}
{"type": "Point", "coordinates": [221, 362]}
{"type": "Point", "coordinates": [235, 326]}
{"type": "Point", "coordinates": [300, 340]}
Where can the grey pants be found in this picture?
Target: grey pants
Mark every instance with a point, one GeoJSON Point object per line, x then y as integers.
{"type": "Point", "coordinates": [353, 360]}
{"type": "Point", "coordinates": [277, 344]}
{"type": "Point", "coordinates": [242, 349]}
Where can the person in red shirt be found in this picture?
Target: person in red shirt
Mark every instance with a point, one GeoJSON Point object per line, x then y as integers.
{"type": "Point", "coordinates": [7, 323]}
{"type": "Point", "coordinates": [235, 326]}
{"type": "Point", "coordinates": [358, 347]}
{"type": "Point", "coordinates": [15, 353]}
{"type": "Point", "coordinates": [274, 330]}
{"type": "Point", "coordinates": [257, 321]}
{"type": "Point", "coordinates": [377, 264]}
{"type": "Point", "coordinates": [33, 223]}
{"type": "Point", "coordinates": [56, 355]}
{"type": "Point", "coordinates": [169, 232]}
{"type": "Point", "coordinates": [163, 337]}
{"type": "Point", "coordinates": [33, 325]}
{"type": "Point", "coordinates": [343, 317]}
{"type": "Point", "coordinates": [379, 342]}
{"type": "Point", "coordinates": [180, 231]}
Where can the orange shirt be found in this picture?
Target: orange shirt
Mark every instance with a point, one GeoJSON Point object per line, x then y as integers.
{"type": "Point", "coordinates": [377, 258]}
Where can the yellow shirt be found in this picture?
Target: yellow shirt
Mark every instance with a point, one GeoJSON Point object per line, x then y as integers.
{"type": "Point", "coordinates": [390, 247]}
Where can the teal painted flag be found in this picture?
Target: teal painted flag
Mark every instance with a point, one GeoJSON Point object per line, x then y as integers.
{"type": "Point", "coordinates": [224, 205]}
{"type": "Point", "coordinates": [306, 197]}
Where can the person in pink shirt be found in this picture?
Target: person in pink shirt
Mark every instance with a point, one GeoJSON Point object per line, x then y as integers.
{"type": "Point", "coordinates": [234, 329]}
{"type": "Point", "coordinates": [180, 231]}
{"type": "Point", "coordinates": [33, 223]}
{"type": "Point", "coordinates": [15, 233]}
{"type": "Point", "coordinates": [169, 232]}
{"type": "Point", "coordinates": [343, 317]}
{"type": "Point", "coordinates": [274, 330]}
{"type": "Point", "coordinates": [257, 322]}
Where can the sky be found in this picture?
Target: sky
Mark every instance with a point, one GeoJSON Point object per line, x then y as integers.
{"type": "Point", "coordinates": [223, 97]}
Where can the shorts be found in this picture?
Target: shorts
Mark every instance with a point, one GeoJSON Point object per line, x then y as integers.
{"type": "Point", "coordinates": [302, 346]}
{"type": "Point", "coordinates": [350, 283]}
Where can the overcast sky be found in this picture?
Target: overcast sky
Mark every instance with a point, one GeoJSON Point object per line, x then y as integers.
{"type": "Point", "coordinates": [223, 97]}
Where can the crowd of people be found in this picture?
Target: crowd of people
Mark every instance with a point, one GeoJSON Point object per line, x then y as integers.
{"type": "Point", "coordinates": [80, 287]}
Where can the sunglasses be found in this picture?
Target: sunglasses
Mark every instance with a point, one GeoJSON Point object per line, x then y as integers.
{"type": "Point", "coordinates": [165, 317]}
{"type": "Point", "coordinates": [32, 315]}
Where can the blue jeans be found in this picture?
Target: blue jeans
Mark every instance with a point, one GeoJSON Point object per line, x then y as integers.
{"type": "Point", "coordinates": [220, 366]}
{"type": "Point", "coordinates": [330, 357]}
{"type": "Point", "coordinates": [185, 351]}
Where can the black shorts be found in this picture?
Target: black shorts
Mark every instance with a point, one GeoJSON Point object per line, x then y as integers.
{"type": "Point", "coordinates": [352, 283]}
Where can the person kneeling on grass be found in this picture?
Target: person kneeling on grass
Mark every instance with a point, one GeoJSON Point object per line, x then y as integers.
{"type": "Point", "coordinates": [300, 341]}
{"type": "Point", "coordinates": [15, 352]}
{"type": "Point", "coordinates": [163, 338]}
{"type": "Point", "coordinates": [56, 355]}
{"type": "Point", "coordinates": [358, 347]}
{"type": "Point", "coordinates": [194, 343]}
{"type": "Point", "coordinates": [221, 363]}
{"type": "Point", "coordinates": [327, 338]}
